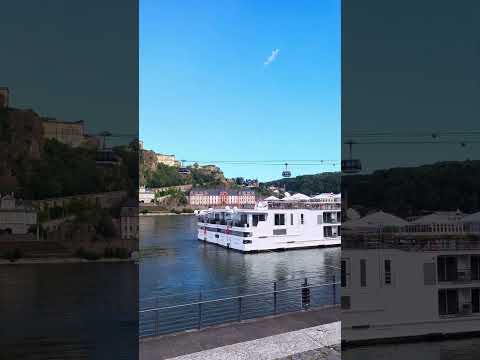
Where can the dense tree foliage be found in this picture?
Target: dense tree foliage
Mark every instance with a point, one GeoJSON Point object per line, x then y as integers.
{"type": "Point", "coordinates": [310, 184]}
{"type": "Point", "coordinates": [64, 170]}
{"type": "Point", "coordinates": [165, 175]}
{"type": "Point", "coordinates": [411, 191]}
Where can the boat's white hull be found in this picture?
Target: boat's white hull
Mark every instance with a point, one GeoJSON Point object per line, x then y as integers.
{"type": "Point", "coordinates": [392, 332]}
{"type": "Point", "coordinates": [264, 243]}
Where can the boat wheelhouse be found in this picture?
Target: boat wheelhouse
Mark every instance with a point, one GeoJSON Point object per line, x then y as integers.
{"type": "Point", "coordinates": [290, 223]}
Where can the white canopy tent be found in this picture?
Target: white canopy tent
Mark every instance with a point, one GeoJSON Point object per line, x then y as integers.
{"type": "Point", "coordinates": [271, 198]}
{"type": "Point", "coordinates": [299, 196]}
{"type": "Point", "coordinates": [374, 221]}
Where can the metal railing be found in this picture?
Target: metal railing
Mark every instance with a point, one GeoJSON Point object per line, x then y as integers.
{"type": "Point", "coordinates": [156, 321]}
{"type": "Point", "coordinates": [411, 244]}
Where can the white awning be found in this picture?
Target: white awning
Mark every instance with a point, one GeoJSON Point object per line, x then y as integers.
{"type": "Point", "coordinates": [271, 198]}
{"type": "Point", "coordinates": [378, 219]}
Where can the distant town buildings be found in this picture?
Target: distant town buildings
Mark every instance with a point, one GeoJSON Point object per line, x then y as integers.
{"type": "Point", "coordinates": [129, 220]}
{"type": "Point", "coordinates": [16, 216]}
{"type": "Point", "coordinates": [145, 195]}
{"type": "Point", "coordinates": [70, 133]}
{"type": "Point", "coordinates": [150, 159]}
{"type": "Point", "coordinates": [221, 197]}
{"type": "Point", "coordinates": [4, 97]}
{"type": "Point", "coordinates": [167, 160]}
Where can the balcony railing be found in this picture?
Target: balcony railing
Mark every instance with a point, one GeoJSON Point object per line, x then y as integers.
{"type": "Point", "coordinates": [331, 221]}
{"type": "Point", "coordinates": [460, 276]}
{"type": "Point", "coordinates": [464, 309]}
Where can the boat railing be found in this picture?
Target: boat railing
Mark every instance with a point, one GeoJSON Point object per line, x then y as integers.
{"type": "Point", "coordinates": [310, 205]}
{"type": "Point", "coordinates": [411, 244]}
{"type": "Point", "coordinates": [460, 276]}
{"type": "Point", "coordinates": [331, 221]}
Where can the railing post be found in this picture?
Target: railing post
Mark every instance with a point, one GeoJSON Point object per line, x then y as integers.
{"type": "Point", "coordinates": [200, 310]}
{"type": "Point", "coordinates": [275, 297]}
{"type": "Point", "coordinates": [334, 291]}
{"type": "Point", "coordinates": [156, 318]}
{"type": "Point", "coordinates": [239, 308]}
{"type": "Point", "coordinates": [305, 295]}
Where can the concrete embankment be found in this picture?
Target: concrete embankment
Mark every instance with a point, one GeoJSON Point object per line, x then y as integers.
{"type": "Point", "coordinates": [312, 334]}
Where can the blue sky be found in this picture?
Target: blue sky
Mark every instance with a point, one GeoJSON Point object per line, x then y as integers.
{"type": "Point", "coordinates": [206, 93]}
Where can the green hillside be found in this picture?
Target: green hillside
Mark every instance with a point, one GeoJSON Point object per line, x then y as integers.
{"type": "Point", "coordinates": [409, 191]}
{"type": "Point", "coordinates": [310, 184]}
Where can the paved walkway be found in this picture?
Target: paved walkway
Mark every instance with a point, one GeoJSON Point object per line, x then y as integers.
{"type": "Point", "coordinates": [263, 338]}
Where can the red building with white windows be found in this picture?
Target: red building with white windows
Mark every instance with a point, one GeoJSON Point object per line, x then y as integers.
{"type": "Point", "coordinates": [221, 198]}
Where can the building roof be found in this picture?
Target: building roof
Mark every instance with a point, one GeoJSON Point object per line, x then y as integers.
{"type": "Point", "coordinates": [475, 217]}
{"type": "Point", "coordinates": [376, 220]}
{"type": "Point", "coordinates": [271, 198]}
{"type": "Point", "coordinates": [297, 196]}
{"type": "Point", "coordinates": [54, 120]}
{"type": "Point", "coordinates": [326, 196]}
{"type": "Point", "coordinates": [216, 192]}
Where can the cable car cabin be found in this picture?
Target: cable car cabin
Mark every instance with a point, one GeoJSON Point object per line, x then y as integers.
{"type": "Point", "coordinates": [351, 166]}
{"type": "Point", "coordinates": [184, 171]}
{"type": "Point", "coordinates": [286, 173]}
{"type": "Point", "coordinates": [107, 157]}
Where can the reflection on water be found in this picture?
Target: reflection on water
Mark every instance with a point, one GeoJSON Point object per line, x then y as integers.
{"type": "Point", "coordinates": [188, 265]}
{"type": "Point", "coordinates": [69, 311]}
{"type": "Point", "coordinates": [467, 349]}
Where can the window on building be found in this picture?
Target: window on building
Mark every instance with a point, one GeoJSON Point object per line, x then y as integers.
{"type": "Point", "coordinates": [279, 219]}
{"type": "Point", "coordinates": [302, 220]}
{"type": "Point", "coordinates": [363, 273]}
{"type": "Point", "coordinates": [291, 219]}
{"type": "Point", "coordinates": [387, 265]}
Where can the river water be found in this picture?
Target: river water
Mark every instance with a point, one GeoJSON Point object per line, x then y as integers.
{"type": "Point", "coordinates": [176, 268]}
{"type": "Point", "coordinates": [69, 311]}
{"type": "Point", "coordinates": [177, 262]}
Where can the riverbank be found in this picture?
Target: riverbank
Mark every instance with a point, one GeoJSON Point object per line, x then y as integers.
{"type": "Point", "coordinates": [303, 333]}
{"type": "Point", "coordinates": [32, 261]}
{"type": "Point", "coordinates": [163, 213]}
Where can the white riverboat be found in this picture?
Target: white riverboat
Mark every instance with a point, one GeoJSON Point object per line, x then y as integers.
{"type": "Point", "coordinates": [404, 279]}
{"type": "Point", "coordinates": [294, 222]}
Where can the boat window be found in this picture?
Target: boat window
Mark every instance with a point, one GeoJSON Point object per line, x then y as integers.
{"type": "Point", "coordinates": [279, 219]}
{"type": "Point", "coordinates": [345, 300]}
{"type": "Point", "coordinates": [256, 218]}
{"type": "Point", "coordinates": [448, 301]}
{"type": "Point", "coordinates": [388, 272]}
{"type": "Point", "coordinates": [363, 272]}
{"type": "Point", "coordinates": [345, 272]}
